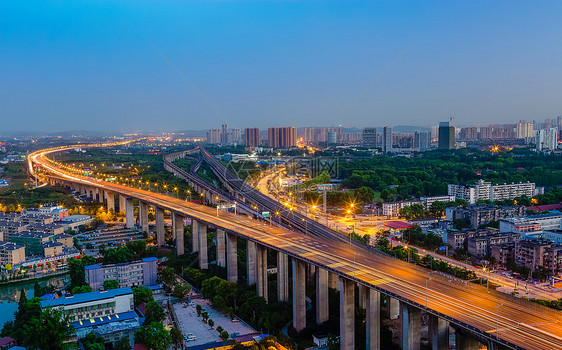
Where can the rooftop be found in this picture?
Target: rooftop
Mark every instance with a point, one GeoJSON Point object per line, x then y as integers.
{"type": "Point", "coordinates": [86, 297]}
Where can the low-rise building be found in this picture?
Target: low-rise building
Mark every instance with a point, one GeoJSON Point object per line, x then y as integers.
{"type": "Point", "coordinates": [503, 254]}
{"type": "Point", "coordinates": [51, 249]}
{"type": "Point", "coordinates": [549, 221]}
{"type": "Point", "coordinates": [32, 218]}
{"type": "Point", "coordinates": [479, 245]}
{"type": "Point", "coordinates": [109, 314]}
{"type": "Point", "coordinates": [532, 253]}
{"type": "Point", "coordinates": [66, 240]}
{"type": "Point", "coordinates": [75, 221]}
{"type": "Point", "coordinates": [11, 253]}
{"type": "Point", "coordinates": [32, 241]}
{"type": "Point", "coordinates": [483, 214]}
{"type": "Point", "coordinates": [54, 229]}
{"type": "Point", "coordinates": [137, 273]}
{"type": "Point", "coordinates": [392, 209]}
{"type": "Point", "coordinates": [9, 227]}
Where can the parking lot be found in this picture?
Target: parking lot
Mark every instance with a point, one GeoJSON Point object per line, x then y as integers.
{"type": "Point", "coordinates": [188, 322]}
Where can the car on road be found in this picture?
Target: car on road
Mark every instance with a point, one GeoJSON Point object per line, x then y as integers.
{"type": "Point", "coordinates": [190, 337]}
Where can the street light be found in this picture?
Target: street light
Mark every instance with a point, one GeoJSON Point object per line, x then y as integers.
{"type": "Point", "coordinates": [426, 282]}
{"type": "Point", "coordinates": [497, 322]}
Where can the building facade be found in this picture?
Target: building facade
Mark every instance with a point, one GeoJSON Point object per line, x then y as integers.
{"type": "Point", "coordinates": [138, 273]}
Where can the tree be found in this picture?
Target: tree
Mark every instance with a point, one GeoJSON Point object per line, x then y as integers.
{"type": "Point", "coordinates": [199, 308]}
{"type": "Point", "coordinates": [123, 344]}
{"type": "Point", "coordinates": [81, 289]}
{"type": "Point", "coordinates": [93, 342]}
{"type": "Point", "coordinates": [154, 312]}
{"type": "Point", "coordinates": [37, 290]}
{"type": "Point", "coordinates": [461, 223]}
{"type": "Point", "coordinates": [181, 290]}
{"type": "Point", "coordinates": [211, 323]}
{"type": "Point", "coordinates": [141, 294]}
{"type": "Point", "coordinates": [77, 272]}
{"type": "Point", "coordinates": [224, 335]}
{"type": "Point", "coordinates": [437, 209]}
{"type": "Point", "coordinates": [110, 284]}
{"type": "Point", "coordinates": [8, 267]}
{"type": "Point", "coordinates": [205, 316]}
{"type": "Point", "coordinates": [365, 194]}
{"type": "Point", "coordinates": [23, 298]}
{"type": "Point", "coordinates": [176, 335]}
{"type": "Point", "coordinates": [168, 276]}
{"type": "Point", "coordinates": [155, 336]}
{"type": "Point", "coordinates": [52, 325]}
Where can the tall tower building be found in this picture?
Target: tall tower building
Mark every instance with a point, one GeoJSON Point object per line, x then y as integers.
{"type": "Point", "coordinates": [252, 137]}
{"type": "Point", "coordinates": [285, 137]}
{"type": "Point", "coordinates": [224, 134]}
{"type": "Point", "coordinates": [214, 136]}
{"type": "Point", "coordinates": [387, 139]}
{"type": "Point", "coordinates": [422, 140]}
{"type": "Point", "coordinates": [446, 136]}
{"type": "Point", "coordinates": [370, 137]}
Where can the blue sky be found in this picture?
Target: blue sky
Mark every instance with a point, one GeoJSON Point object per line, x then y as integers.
{"type": "Point", "coordinates": [103, 65]}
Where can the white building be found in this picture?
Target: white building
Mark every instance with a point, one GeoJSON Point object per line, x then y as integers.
{"type": "Point", "coordinates": [485, 190]}
{"type": "Point", "coordinates": [547, 139]}
{"type": "Point", "coordinates": [392, 209]}
{"type": "Point", "coordinates": [428, 201]}
{"type": "Point", "coordinates": [467, 193]}
{"type": "Point", "coordinates": [545, 222]}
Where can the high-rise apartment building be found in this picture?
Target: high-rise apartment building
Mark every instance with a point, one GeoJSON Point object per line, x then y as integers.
{"type": "Point", "coordinates": [214, 136]}
{"type": "Point", "coordinates": [235, 136]}
{"type": "Point", "coordinates": [422, 140]}
{"type": "Point", "coordinates": [284, 137]}
{"type": "Point", "coordinates": [524, 130]}
{"type": "Point", "coordinates": [252, 137]}
{"type": "Point", "coordinates": [307, 135]}
{"type": "Point", "coordinates": [446, 136]}
{"type": "Point", "coordinates": [370, 137]}
{"type": "Point", "coordinates": [387, 139]}
{"type": "Point", "coordinates": [224, 134]}
{"type": "Point", "coordinates": [547, 139]}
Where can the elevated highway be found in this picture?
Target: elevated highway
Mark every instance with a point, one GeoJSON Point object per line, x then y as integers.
{"type": "Point", "coordinates": [496, 320]}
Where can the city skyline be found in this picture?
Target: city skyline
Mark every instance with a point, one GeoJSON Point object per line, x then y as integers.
{"type": "Point", "coordinates": [153, 66]}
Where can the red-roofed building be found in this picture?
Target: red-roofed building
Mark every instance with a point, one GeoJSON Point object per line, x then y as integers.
{"type": "Point", "coordinates": [397, 225]}
{"type": "Point", "coordinates": [547, 207]}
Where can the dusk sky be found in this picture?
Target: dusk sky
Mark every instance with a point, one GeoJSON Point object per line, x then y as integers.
{"type": "Point", "coordinates": [128, 65]}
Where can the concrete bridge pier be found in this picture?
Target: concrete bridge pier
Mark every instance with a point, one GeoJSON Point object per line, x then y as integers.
{"type": "Point", "coordinates": [362, 296]}
{"type": "Point", "coordinates": [160, 229]}
{"type": "Point", "coordinates": [393, 306]}
{"type": "Point", "coordinates": [261, 285]}
{"type": "Point", "coordinates": [221, 253]}
{"type": "Point", "coordinates": [110, 197]}
{"type": "Point", "coordinates": [143, 216]}
{"type": "Point", "coordinates": [299, 294]}
{"type": "Point", "coordinates": [347, 314]}
{"type": "Point", "coordinates": [465, 341]}
{"type": "Point", "coordinates": [232, 257]}
{"type": "Point", "coordinates": [282, 277]}
{"type": "Point", "coordinates": [251, 257]}
{"type": "Point", "coordinates": [438, 333]}
{"type": "Point", "coordinates": [122, 203]}
{"type": "Point", "coordinates": [410, 324]}
{"type": "Point", "coordinates": [332, 280]}
{"type": "Point", "coordinates": [178, 229]}
{"type": "Point", "coordinates": [203, 253]}
{"type": "Point", "coordinates": [373, 319]}
{"type": "Point", "coordinates": [322, 300]}
{"type": "Point", "coordinates": [129, 213]}
{"type": "Point", "coordinates": [194, 236]}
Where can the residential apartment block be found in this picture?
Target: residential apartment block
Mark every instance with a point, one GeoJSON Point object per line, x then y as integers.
{"type": "Point", "coordinates": [482, 214]}
{"type": "Point", "coordinates": [485, 190]}
{"type": "Point", "coordinates": [137, 273]}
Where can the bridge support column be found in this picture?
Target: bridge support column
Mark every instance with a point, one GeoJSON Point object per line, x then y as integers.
{"type": "Point", "coordinates": [232, 257]}
{"type": "Point", "coordinates": [160, 230]}
{"type": "Point", "coordinates": [465, 341]}
{"type": "Point", "coordinates": [143, 216]}
{"type": "Point", "coordinates": [362, 296]}
{"type": "Point", "coordinates": [410, 324]}
{"type": "Point", "coordinates": [261, 286]}
{"type": "Point", "coordinates": [393, 307]}
{"type": "Point", "coordinates": [347, 314]}
{"type": "Point", "coordinates": [194, 236]}
{"type": "Point", "coordinates": [282, 277]}
{"type": "Point", "coordinates": [178, 229]}
{"type": "Point", "coordinates": [373, 328]}
{"type": "Point", "coordinates": [251, 262]}
{"type": "Point", "coordinates": [221, 257]}
{"type": "Point", "coordinates": [438, 333]}
{"type": "Point", "coordinates": [110, 196]}
{"type": "Point", "coordinates": [122, 201]}
{"type": "Point", "coordinates": [311, 271]}
{"type": "Point", "coordinates": [129, 213]}
{"type": "Point", "coordinates": [322, 308]}
{"type": "Point", "coordinates": [299, 295]}
{"type": "Point", "coordinates": [203, 253]}
{"type": "Point", "coordinates": [332, 280]}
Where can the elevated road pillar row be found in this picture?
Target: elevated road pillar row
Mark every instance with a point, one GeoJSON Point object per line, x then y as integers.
{"type": "Point", "coordinates": [129, 213]}
{"type": "Point", "coordinates": [322, 301]}
{"type": "Point", "coordinates": [438, 333]}
{"type": "Point", "coordinates": [282, 277]}
{"type": "Point", "coordinates": [143, 216]}
{"type": "Point", "coordinates": [194, 236]}
{"type": "Point", "coordinates": [121, 203]}
{"type": "Point", "coordinates": [232, 258]}
{"type": "Point", "coordinates": [261, 285]}
{"type": "Point", "coordinates": [203, 253]}
{"type": "Point", "coordinates": [160, 230]}
{"type": "Point", "coordinates": [373, 318]}
{"type": "Point", "coordinates": [110, 196]}
{"type": "Point", "coordinates": [251, 252]}
{"type": "Point", "coordinates": [299, 295]}
{"type": "Point", "coordinates": [221, 249]}
{"type": "Point", "coordinates": [410, 324]}
{"type": "Point", "coordinates": [178, 230]}
{"type": "Point", "coordinates": [347, 314]}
